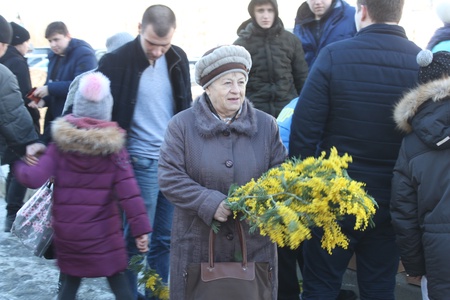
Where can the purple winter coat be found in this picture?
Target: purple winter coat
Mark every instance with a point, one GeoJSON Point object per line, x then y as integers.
{"type": "Point", "coordinates": [91, 171]}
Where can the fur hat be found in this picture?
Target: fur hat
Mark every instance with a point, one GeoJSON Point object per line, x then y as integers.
{"type": "Point", "coordinates": [220, 61]}
{"type": "Point", "coordinates": [19, 34]}
{"type": "Point", "coordinates": [117, 40]}
{"type": "Point", "coordinates": [5, 31]}
{"type": "Point", "coordinates": [443, 11]}
{"type": "Point", "coordinates": [433, 66]}
{"type": "Point", "coordinates": [93, 98]}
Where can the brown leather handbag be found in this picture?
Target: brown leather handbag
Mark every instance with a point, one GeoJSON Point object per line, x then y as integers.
{"type": "Point", "coordinates": [229, 280]}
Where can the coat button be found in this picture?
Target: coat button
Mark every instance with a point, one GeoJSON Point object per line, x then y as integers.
{"type": "Point", "coordinates": [229, 163]}
{"type": "Point", "coordinates": [226, 132]}
{"type": "Point", "coordinates": [230, 236]}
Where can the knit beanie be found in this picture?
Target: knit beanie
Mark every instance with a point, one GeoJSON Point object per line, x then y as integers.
{"type": "Point", "coordinates": [5, 31]}
{"type": "Point", "coordinates": [220, 61]}
{"type": "Point", "coordinates": [433, 66]}
{"type": "Point", "coordinates": [443, 11]}
{"type": "Point", "coordinates": [93, 98]}
{"type": "Point", "coordinates": [19, 34]}
{"type": "Point", "coordinates": [118, 40]}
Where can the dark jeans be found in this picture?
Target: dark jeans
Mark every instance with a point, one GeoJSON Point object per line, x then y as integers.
{"type": "Point", "coordinates": [377, 261]}
{"type": "Point", "coordinates": [288, 281]}
{"type": "Point", "coordinates": [118, 284]}
{"type": "Point", "coordinates": [15, 192]}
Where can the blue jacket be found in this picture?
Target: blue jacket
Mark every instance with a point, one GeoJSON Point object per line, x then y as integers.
{"type": "Point", "coordinates": [124, 67]}
{"type": "Point", "coordinates": [284, 121]}
{"type": "Point", "coordinates": [337, 24]}
{"type": "Point", "coordinates": [78, 58]}
{"type": "Point", "coordinates": [348, 100]}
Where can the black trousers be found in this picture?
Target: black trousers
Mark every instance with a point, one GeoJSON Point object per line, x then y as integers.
{"type": "Point", "coordinates": [118, 284]}
{"type": "Point", "coordinates": [288, 281]}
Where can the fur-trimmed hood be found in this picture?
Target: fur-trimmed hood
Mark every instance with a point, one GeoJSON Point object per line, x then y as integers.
{"type": "Point", "coordinates": [425, 111]}
{"type": "Point", "coordinates": [87, 136]}
{"type": "Point", "coordinates": [208, 125]}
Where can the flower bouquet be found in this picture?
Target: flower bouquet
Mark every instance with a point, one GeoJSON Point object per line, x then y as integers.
{"type": "Point", "coordinates": [287, 201]}
{"type": "Point", "coordinates": [149, 277]}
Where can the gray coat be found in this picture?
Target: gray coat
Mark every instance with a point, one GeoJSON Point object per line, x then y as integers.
{"type": "Point", "coordinates": [200, 159]}
{"type": "Point", "coordinates": [16, 125]}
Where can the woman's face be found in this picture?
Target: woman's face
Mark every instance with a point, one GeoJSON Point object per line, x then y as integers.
{"type": "Point", "coordinates": [227, 93]}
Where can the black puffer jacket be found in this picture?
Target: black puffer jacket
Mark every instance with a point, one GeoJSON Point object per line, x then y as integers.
{"type": "Point", "coordinates": [17, 63]}
{"type": "Point", "coordinates": [279, 68]}
{"type": "Point", "coordinates": [420, 204]}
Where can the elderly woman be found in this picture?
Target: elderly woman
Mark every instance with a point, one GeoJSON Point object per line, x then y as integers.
{"type": "Point", "coordinates": [221, 140]}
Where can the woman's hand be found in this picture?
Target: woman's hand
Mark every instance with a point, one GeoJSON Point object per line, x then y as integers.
{"type": "Point", "coordinates": [142, 243]}
{"type": "Point", "coordinates": [222, 212]}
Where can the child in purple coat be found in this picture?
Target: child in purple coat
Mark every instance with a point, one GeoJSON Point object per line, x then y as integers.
{"type": "Point", "coordinates": [92, 174]}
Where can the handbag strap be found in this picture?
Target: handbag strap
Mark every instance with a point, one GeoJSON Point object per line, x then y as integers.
{"type": "Point", "coordinates": [242, 241]}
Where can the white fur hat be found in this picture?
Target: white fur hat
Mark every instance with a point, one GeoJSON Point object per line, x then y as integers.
{"type": "Point", "coordinates": [443, 10]}
{"type": "Point", "coordinates": [93, 98]}
{"type": "Point", "coordinates": [220, 61]}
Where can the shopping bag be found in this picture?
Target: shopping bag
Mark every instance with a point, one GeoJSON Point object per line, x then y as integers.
{"type": "Point", "coordinates": [33, 221]}
{"type": "Point", "coordinates": [229, 280]}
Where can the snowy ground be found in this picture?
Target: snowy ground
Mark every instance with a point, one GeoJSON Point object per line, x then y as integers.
{"type": "Point", "coordinates": [26, 277]}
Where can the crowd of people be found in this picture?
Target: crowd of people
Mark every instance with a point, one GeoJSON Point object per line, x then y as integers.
{"type": "Point", "coordinates": [126, 130]}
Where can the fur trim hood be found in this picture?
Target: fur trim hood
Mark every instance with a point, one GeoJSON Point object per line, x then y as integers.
{"type": "Point", "coordinates": [208, 125]}
{"type": "Point", "coordinates": [425, 111]}
{"type": "Point", "coordinates": [87, 136]}
{"type": "Point", "coordinates": [409, 105]}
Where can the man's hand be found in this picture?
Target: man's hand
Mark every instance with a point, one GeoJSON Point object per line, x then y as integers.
{"type": "Point", "coordinates": [41, 91]}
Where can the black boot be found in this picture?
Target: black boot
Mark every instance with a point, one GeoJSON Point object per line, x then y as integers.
{"type": "Point", "coordinates": [8, 222]}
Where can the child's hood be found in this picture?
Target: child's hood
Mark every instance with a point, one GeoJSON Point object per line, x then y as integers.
{"type": "Point", "coordinates": [87, 136]}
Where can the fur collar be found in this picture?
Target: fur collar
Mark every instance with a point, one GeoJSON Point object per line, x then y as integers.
{"type": "Point", "coordinates": [208, 125]}
{"type": "Point", "coordinates": [409, 105]}
{"type": "Point", "coordinates": [72, 134]}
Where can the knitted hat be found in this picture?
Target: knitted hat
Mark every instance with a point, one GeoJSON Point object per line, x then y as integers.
{"type": "Point", "coordinates": [443, 11]}
{"type": "Point", "coordinates": [20, 34]}
{"type": "Point", "coordinates": [220, 61]}
{"type": "Point", "coordinates": [5, 31]}
{"type": "Point", "coordinates": [117, 40]}
{"type": "Point", "coordinates": [433, 66]}
{"type": "Point", "coordinates": [93, 98]}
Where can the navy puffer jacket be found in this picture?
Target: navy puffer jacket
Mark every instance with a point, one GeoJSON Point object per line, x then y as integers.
{"type": "Point", "coordinates": [347, 102]}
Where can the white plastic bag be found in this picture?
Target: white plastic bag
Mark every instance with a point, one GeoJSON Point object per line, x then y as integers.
{"type": "Point", "coordinates": [33, 221]}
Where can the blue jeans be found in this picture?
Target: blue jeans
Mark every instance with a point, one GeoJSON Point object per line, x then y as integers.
{"type": "Point", "coordinates": [160, 213]}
